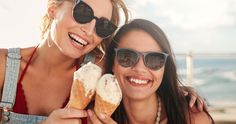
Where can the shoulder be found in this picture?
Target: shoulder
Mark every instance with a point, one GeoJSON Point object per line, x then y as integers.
{"type": "Point", "coordinates": [3, 54]}
{"type": "Point", "coordinates": [200, 118]}
{"type": "Point", "coordinates": [25, 53]}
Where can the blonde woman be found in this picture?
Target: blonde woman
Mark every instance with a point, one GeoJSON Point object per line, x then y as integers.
{"type": "Point", "coordinates": [35, 82]}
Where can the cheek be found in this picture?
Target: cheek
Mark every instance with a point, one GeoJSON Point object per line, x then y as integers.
{"type": "Point", "coordinates": [65, 14]}
{"type": "Point", "coordinates": [61, 22]}
{"type": "Point", "coordinates": [116, 69]}
{"type": "Point", "coordinates": [64, 18]}
{"type": "Point", "coordinates": [118, 72]}
{"type": "Point", "coordinates": [158, 76]}
{"type": "Point", "coordinates": [97, 40]}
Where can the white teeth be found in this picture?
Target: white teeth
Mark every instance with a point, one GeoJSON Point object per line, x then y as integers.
{"type": "Point", "coordinates": [78, 39]}
{"type": "Point", "coordinates": [138, 81]}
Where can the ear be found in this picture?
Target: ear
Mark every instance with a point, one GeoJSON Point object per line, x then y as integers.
{"type": "Point", "coordinates": [51, 11]}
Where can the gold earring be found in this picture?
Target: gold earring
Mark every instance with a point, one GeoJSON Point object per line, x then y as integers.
{"type": "Point", "coordinates": [48, 39]}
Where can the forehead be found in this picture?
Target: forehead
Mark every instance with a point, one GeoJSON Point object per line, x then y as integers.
{"type": "Point", "coordinates": [139, 40]}
{"type": "Point", "coordinates": [101, 8]}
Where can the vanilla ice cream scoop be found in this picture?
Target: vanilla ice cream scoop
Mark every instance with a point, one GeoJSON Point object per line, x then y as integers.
{"type": "Point", "coordinates": [108, 95]}
{"type": "Point", "coordinates": [89, 75]}
{"type": "Point", "coordinates": [83, 87]}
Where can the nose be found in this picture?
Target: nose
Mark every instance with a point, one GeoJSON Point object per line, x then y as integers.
{"type": "Point", "coordinates": [139, 66]}
{"type": "Point", "coordinates": [89, 28]}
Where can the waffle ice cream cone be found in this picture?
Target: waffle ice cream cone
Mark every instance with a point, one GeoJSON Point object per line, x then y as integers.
{"type": "Point", "coordinates": [108, 95]}
{"type": "Point", "coordinates": [83, 87]}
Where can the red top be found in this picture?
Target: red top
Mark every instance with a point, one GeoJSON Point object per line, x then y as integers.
{"type": "Point", "coordinates": [20, 101]}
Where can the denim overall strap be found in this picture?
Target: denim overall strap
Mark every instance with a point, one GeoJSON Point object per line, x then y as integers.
{"type": "Point", "coordinates": [90, 57]}
{"type": "Point", "coordinates": [9, 92]}
{"type": "Point", "coordinates": [16, 118]}
{"type": "Point", "coordinates": [10, 82]}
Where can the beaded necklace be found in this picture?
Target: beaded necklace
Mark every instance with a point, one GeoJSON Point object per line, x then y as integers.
{"type": "Point", "coordinates": [158, 111]}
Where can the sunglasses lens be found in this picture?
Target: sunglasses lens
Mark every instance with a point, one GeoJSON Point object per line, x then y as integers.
{"type": "Point", "coordinates": [82, 13]}
{"type": "Point", "coordinates": [154, 60]}
{"type": "Point", "coordinates": [126, 58]}
{"type": "Point", "coordinates": [104, 27]}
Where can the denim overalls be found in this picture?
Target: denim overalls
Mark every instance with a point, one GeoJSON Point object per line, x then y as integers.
{"type": "Point", "coordinates": [9, 90]}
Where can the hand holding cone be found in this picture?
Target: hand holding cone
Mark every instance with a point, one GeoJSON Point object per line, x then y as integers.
{"type": "Point", "coordinates": [86, 81]}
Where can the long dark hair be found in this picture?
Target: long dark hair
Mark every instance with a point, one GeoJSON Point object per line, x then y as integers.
{"type": "Point", "coordinates": [175, 104]}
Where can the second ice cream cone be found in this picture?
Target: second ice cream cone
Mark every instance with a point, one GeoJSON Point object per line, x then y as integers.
{"type": "Point", "coordinates": [108, 95]}
{"type": "Point", "coordinates": [103, 106]}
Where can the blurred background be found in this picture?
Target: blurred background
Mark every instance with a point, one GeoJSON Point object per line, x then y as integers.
{"type": "Point", "coordinates": [201, 32]}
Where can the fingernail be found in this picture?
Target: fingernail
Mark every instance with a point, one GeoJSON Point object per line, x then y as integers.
{"type": "Point", "coordinates": [102, 116]}
{"type": "Point", "coordinates": [90, 113]}
{"type": "Point", "coordinates": [191, 105]}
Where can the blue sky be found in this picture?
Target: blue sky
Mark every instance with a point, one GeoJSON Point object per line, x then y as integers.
{"type": "Point", "coordinates": [191, 25]}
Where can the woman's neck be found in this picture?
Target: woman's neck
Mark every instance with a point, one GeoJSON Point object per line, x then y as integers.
{"type": "Point", "coordinates": [141, 111]}
{"type": "Point", "coordinates": [51, 58]}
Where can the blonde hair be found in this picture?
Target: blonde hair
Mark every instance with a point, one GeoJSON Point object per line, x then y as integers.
{"type": "Point", "coordinates": [47, 20]}
{"type": "Point", "coordinates": [117, 5]}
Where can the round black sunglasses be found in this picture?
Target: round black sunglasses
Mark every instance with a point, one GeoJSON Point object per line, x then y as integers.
{"type": "Point", "coordinates": [83, 13]}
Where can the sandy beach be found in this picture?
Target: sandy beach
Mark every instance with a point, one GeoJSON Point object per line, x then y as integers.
{"type": "Point", "coordinates": [226, 115]}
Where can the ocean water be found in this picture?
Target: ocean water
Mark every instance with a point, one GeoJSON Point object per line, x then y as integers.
{"type": "Point", "coordinates": [214, 78]}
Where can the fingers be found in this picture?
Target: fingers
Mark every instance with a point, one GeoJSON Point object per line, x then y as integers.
{"type": "Point", "coordinates": [71, 113]}
{"type": "Point", "coordinates": [199, 104]}
{"type": "Point", "coordinates": [101, 118]}
{"type": "Point", "coordinates": [93, 118]}
{"type": "Point", "coordinates": [185, 93]}
{"type": "Point", "coordinates": [192, 102]}
{"type": "Point", "coordinates": [66, 116]}
{"type": "Point", "coordinates": [106, 119]}
{"type": "Point", "coordinates": [193, 99]}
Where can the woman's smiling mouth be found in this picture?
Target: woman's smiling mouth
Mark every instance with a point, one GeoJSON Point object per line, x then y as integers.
{"type": "Point", "coordinates": [77, 39]}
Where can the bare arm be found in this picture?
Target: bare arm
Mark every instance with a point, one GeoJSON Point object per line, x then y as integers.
{"type": "Point", "coordinates": [3, 53]}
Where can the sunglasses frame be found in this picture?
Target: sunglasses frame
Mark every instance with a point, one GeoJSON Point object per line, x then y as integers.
{"type": "Point", "coordinates": [143, 54]}
{"type": "Point", "coordinates": [112, 26]}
